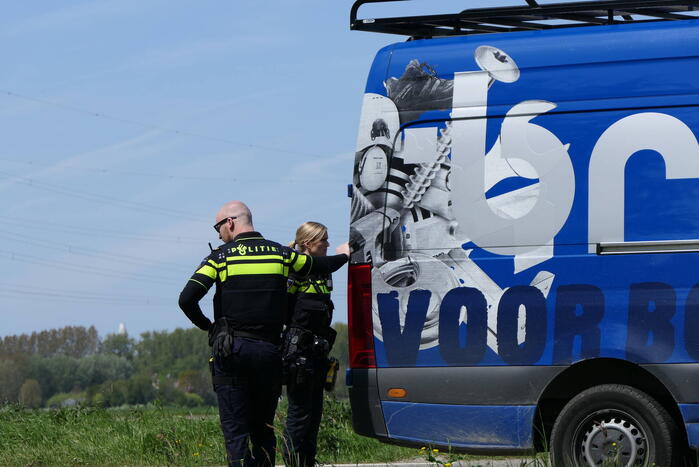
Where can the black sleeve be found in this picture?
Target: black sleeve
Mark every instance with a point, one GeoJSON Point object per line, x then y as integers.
{"type": "Point", "coordinates": [195, 289]}
{"type": "Point", "coordinates": [189, 303]}
{"type": "Point", "coordinates": [327, 264]}
{"type": "Point", "coordinates": [290, 308]}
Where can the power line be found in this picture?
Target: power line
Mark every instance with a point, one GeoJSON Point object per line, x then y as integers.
{"type": "Point", "coordinates": [152, 126]}
{"type": "Point", "coordinates": [52, 299]}
{"type": "Point", "coordinates": [87, 231]}
{"type": "Point", "coordinates": [93, 231]}
{"type": "Point", "coordinates": [17, 291]}
{"type": "Point", "coordinates": [24, 287]}
{"type": "Point", "coordinates": [91, 252]}
{"type": "Point", "coordinates": [107, 171]}
{"type": "Point", "coordinates": [83, 268]}
{"type": "Point", "coordinates": [97, 197]}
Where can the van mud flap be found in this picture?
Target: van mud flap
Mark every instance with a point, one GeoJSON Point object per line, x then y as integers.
{"type": "Point", "coordinates": [367, 414]}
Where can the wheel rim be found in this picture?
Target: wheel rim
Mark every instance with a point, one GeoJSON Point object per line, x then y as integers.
{"type": "Point", "coordinates": [610, 437]}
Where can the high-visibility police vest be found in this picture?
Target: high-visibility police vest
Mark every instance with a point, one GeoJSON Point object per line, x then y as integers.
{"type": "Point", "coordinates": [251, 274]}
{"type": "Point", "coordinates": [312, 308]}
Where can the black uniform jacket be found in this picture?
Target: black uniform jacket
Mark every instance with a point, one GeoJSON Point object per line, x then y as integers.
{"type": "Point", "coordinates": [250, 273]}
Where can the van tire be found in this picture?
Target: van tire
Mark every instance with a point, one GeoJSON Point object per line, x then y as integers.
{"type": "Point", "coordinates": [606, 421]}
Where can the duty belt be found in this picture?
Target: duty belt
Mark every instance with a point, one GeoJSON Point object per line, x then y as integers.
{"type": "Point", "coordinates": [258, 336]}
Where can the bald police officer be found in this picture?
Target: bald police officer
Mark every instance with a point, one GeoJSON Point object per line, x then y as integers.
{"type": "Point", "coordinates": [250, 273]}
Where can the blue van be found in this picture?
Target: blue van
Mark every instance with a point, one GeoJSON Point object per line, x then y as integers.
{"type": "Point", "coordinates": [525, 232]}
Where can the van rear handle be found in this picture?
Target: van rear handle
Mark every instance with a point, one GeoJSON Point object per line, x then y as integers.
{"type": "Point", "coordinates": [663, 246]}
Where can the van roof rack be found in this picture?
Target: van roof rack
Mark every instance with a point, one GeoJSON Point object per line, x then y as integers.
{"type": "Point", "coordinates": [532, 16]}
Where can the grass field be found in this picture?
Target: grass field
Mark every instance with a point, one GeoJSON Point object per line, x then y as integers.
{"type": "Point", "coordinates": [158, 436]}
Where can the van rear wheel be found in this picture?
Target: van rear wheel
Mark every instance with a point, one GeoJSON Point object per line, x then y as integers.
{"type": "Point", "coordinates": [613, 424]}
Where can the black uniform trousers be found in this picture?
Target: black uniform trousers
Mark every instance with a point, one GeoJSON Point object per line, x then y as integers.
{"type": "Point", "coordinates": [304, 416]}
{"type": "Point", "coordinates": [247, 406]}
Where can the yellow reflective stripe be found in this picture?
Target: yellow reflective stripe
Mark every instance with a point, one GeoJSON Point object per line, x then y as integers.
{"type": "Point", "coordinates": [255, 268]}
{"type": "Point", "coordinates": [215, 264]}
{"type": "Point", "coordinates": [291, 258]}
{"type": "Point", "coordinates": [299, 263]}
{"type": "Point", "coordinates": [292, 289]}
{"type": "Point", "coordinates": [223, 275]}
{"type": "Point", "coordinates": [307, 287]}
{"type": "Point", "coordinates": [194, 280]}
{"type": "Point", "coordinates": [208, 271]}
{"type": "Point", "coordinates": [254, 257]}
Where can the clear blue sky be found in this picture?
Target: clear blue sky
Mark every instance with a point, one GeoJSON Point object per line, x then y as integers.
{"type": "Point", "coordinates": [125, 125]}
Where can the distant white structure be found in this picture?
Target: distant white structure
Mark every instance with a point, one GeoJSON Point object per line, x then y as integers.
{"type": "Point", "coordinates": [122, 329]}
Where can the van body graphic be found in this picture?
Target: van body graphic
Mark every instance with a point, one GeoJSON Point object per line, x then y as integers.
{"type": "Point", "coordinates": [529, 214]}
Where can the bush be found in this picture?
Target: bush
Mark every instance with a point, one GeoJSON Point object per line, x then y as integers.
{"type": "Point", "coordinates": [116, 393]}
{"type": "Point", "coordinates": [98, 400]}
{"type": "Point", "coordinates": [168, 394]}
{"type": "Point", "coordinates": [65, 399]}
{"type": "Point", "coordinates": [140, 390]}
{"type": "Point", "coordinates": [30, 394]}
{"type": "Point", "coordinates": [12, 374]}
{"type": "Point", "coordinates": [192, 400]}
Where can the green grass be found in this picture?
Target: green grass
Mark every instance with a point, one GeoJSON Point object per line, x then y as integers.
{"type": "Point", "coordinates": [159, 436]}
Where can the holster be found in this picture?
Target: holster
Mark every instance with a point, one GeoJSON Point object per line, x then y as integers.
{"type": "Point", "coordinates": [296, 341]}
{"type": "Point", "coordinates": [331, 375]}
{"type": "Point", "coordinates": [299, 370]}
{"type": "Point", "coordinates": [296, 346]}
{"type": "Point", "coordinates": [323, 343]}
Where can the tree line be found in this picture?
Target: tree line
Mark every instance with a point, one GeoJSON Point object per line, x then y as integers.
{"type": "Point", "coordinates": [73, 365]}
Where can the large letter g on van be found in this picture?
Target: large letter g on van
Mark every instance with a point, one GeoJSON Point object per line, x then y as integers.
{"type": "Point", "coordinates": [530, 151]}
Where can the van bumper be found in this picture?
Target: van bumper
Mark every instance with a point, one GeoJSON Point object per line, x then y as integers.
{"type": "Point", "coordinates": [367, 414]}
{"type": "Point", "coordinates": [690, 413]}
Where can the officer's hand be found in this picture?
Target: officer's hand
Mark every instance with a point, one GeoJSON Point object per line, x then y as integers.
{"type": "Point", "coordinates": [343, 249]}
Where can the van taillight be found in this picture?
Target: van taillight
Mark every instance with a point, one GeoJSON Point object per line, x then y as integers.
{"type": "Point", "coordinates": [360, 326]}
